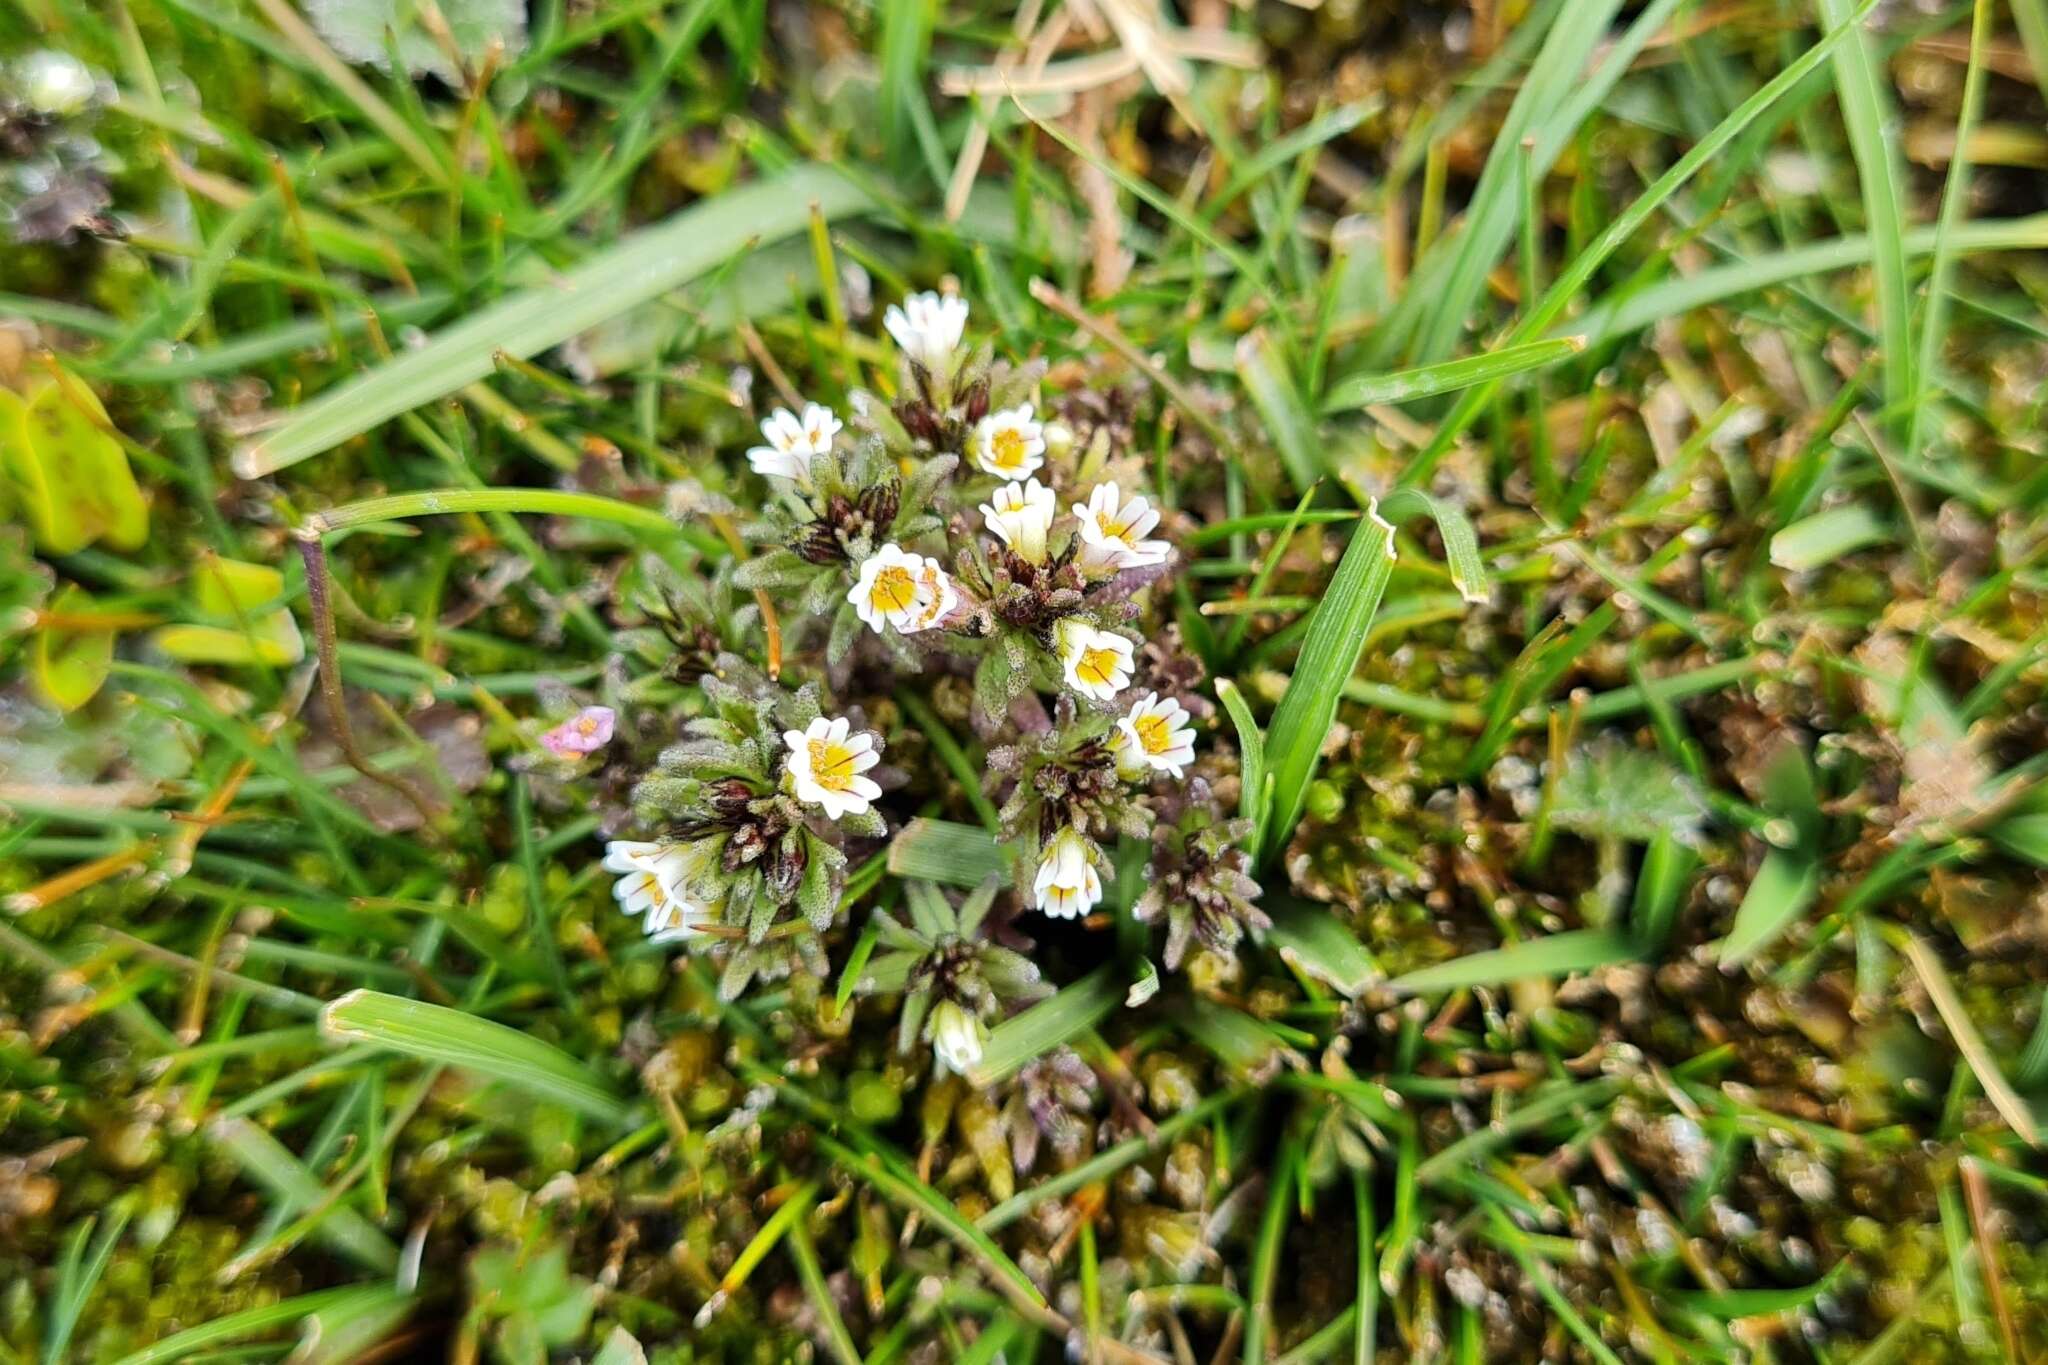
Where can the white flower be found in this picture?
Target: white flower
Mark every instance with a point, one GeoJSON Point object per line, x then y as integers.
{"type": "Point", "coordinates": [938, 595]}
{"type": "Point", "coordinates": [957, 1037]}
{"type": "Point", "coordinates": [1067, 885]}
{"type": "Point", "coordinates": [1113, 530]}
{"type": "Point", "coordinates": [828, 764]}
{"type": "Point", "coordinates": [1021, 514]}
{"type": "Point", "coordinates": [1155, 735]}
{"type": "Point", "coordinates": [928, 328]}
{"type": "Point", "coordinates": [1097, 663]}
{"type": "Point", "coordinates": [651, 878]}
{"type": "Point", "coordinates": [55, 84]}
{"type": "Point", "coordinates": [1008, 444]}
{"type": "Point", "coordinates": [794, 442]}
{"type": "Point", "coordinates": [900, 589]}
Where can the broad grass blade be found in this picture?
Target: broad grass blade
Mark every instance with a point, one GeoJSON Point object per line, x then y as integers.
{"type": "Point", "coordinates": [1329, 652]}
{"type": "Point", "coordinates": [437, 1033]}
{"type": "Point", "coordinates": [630, 272]}
{"type": "Point", "coordinates": [1575, 950]}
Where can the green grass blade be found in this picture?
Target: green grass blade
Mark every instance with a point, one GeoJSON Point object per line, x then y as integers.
{"type": "Point", "coordinates": [1862, 83]}
{"type": "Point", "coordinates": [270, 1164]}
{"type": "Point", "coordinates": [1660, 890]}
{"type": "Point", "coordinates": [1582, 267]}
{"type": "Point", "coordinates": [1290, 425]}
{"type": "Point", "coordinates": [1248, 1047]}
{"type": "Point", "coordinates": [946, 852]}
{"type": "Point", "coordinates": [1107, 1163]}
{"type": "Point", "coordinates": [918, 1197]}
{"type": "Point", "coordinates": [1058, 1019]}
{"type": "Point", "coordinates": [1329, 653]}
{"type": "Point", "coordinates": [1962, 1030]}
{"type": "Point", "coordinates": [1555, 96]}
{"type": "Point", "coordinates": [1729, 1304]}
{"type": "Point", "coordinates": [1784, 887]}
{"type": "Point", "coordinates": [437, 1033]}
{"type": "Point", "coordinates": [1425, 381]}
{"type": "Point", "coordinates": [445, 501]}
{"type": "Point", "coordinates": [1253, 800]}
{"type": "Point", "coordinates": [1954, 197]}
{"type": "Point", "coordinates": [1312, 939]}
{"type": "Point", "coordinates": [1612, 318]}
{"type": "Point", "coordinates": [251, 1322]}
{"type": "Point", "coordinates": [1512, 1238]}
{"type": "Point", "coordinates": [1575, 950]}
{"type": "Point", "coordinates": [1547, 1108]}
{"type": "Point", "coordinates": [1826, 536]}
{"type": "Point", "coordinates": [79, 1271]}
{"type": "Point", "coordinates": [632, 271]}
{"type": "Point", "coordinates": [1259, 1324]}
{"type": "Point", "coordinates": [1461, 542]}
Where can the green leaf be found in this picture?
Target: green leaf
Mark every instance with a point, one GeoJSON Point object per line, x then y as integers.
{"type": "Point", "coordinates": [1826, 536]}
{"type": "Point", "coordinates": [621, 1348]}
{"type": "Point", "coordinates": [1425, 381]}
{"type": "Point", "coordinates": [1784, 887]}
{"type": "Point", "coordinates": [1106, 1164]}
{"type": "Point", "coordinates": [70, 666]}
{"type": "Point", "coordinates": [234, 588]}
{"type": "Point", "coordinates": [1576, 950]}
{"type": "Point", "coordinates": [1313, 939]}
{"type": "Point", "coordinates": [436, 1033]}
{"type": "Point", "coordinates": [275, 640]}
{"type": "Point", "coordinates": [632, 271]}
{"type": "Point", "coordinates": [946, 852]}
{"type": "Point", "coordinates": [1610, 790]}
{"type": "Point", "coordinates": [1329, 653]}
{"type": "Point", "coordinates": [1060, 1018]}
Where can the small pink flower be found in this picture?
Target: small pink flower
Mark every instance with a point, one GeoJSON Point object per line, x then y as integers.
{"type": "Point", "coordinates": [585, 732]}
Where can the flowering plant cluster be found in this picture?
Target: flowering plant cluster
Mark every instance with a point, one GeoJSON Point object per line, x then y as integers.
{"type": "Point", "coordinates": [951, 538]}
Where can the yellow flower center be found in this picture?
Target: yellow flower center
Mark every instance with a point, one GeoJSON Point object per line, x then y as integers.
{"type": "Point", "coordinates": [586, 726]}
{"type": "Point", "coordinates": [1095, 666]}
{"type": "Point", "coordinates": [894, 589]}
{"type": "Point", "coordinates": [831, 765]}
{"type": "Point", "coordinates": [1153, 733]}
{"type": "Point", "coordinates": [1111, 527]}
{"type": "Point", "coordinates": [1007, 446]}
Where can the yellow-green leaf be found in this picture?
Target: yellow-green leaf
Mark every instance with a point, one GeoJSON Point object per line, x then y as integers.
{"type": "Point", "coordinates": [233, 587]}
{"type": "Point", "coordinates": [273, 640]}
{"type": "Point", "coordinates": [70, 666]}
{"type": "Point", "coordinates": [69, 476]}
